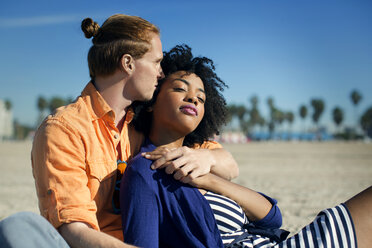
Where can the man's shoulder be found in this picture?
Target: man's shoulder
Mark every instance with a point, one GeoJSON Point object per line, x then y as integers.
{"type": "Point", "coordinates": [73, 116]}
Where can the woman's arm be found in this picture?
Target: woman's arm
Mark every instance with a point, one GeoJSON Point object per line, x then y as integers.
{"type": "Point", "coordinates": [258, 208]}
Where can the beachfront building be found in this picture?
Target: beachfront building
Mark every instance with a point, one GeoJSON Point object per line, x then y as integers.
{"type": "Point", "coordinates": [6, 121]}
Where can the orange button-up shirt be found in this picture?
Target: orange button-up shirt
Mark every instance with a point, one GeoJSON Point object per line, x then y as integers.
{"type": "Point", "coordinates": [74, 161]}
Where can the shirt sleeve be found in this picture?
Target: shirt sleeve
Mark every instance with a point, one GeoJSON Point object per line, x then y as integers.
{"type": "Point", "coordinates": [273, 219]}
{"type": "Point", "coordinates": [139, 209]}
{"type": "Point", "coordinates": [59, 169]}
{"type": "Point", "coordinates": [210, 144]}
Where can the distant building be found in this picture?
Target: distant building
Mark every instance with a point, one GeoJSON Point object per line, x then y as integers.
{"type": "Point", "coordinates": [6, 122]}
{"type": "Point", "coordinates": [232, 137]}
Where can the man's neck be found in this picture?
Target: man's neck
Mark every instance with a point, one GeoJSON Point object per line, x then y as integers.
{"type": "Point", "coordinates": [111, 89]}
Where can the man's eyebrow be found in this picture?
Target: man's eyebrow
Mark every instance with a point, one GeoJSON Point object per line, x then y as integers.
{"type": "Point", "coordinates": [187, 83]}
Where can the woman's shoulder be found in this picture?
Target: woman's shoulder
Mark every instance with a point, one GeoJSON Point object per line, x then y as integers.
{"type": "Point", "coordinates": [140, 164]}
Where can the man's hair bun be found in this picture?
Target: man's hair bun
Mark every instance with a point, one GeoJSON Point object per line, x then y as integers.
{"type": "Point", "coordinates": [89, 27]}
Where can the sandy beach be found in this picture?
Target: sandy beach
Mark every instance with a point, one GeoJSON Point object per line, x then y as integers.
{"type": "Point", "coordinates": [304, 177]}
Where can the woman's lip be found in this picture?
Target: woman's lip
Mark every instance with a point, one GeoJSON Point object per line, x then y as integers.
{"type": "Point", "coordinates": [189, 109]}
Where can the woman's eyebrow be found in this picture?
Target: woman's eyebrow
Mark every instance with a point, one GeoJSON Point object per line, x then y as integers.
{"type": "Point", "coordinates": [187, 83]}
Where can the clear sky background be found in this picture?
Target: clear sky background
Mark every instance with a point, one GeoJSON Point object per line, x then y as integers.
{"type": "Point", "coordinates": [291, 50]}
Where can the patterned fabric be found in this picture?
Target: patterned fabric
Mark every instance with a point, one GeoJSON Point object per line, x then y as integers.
{"type": "Point", "coordinates": [331, 228]}
{"type": "Point", "coordinates": [228, 214]}
{"type": "Point", "coordinates": [230, 219]}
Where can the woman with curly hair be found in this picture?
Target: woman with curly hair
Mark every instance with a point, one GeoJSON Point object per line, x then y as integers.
{"type": "Point", "coordinates": [209, 211]}
{"type": "Point", "coordinates": [187, 108]}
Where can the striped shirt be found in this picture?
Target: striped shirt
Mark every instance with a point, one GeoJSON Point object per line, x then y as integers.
{"type": "Point", "coordinates": [331, 228]}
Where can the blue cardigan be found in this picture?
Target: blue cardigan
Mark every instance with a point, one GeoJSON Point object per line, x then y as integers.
{"type": "Point", "coordinates": [158, 211]}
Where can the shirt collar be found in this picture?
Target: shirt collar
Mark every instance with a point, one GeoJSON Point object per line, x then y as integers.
{"type": "Point", "coordinates": [97, 105]}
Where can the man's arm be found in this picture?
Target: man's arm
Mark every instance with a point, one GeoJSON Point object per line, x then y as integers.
{"type": "Point", "coordinates": [79, 234]}
{"type": "Point", "coordinates": [61, 178]}
{"type": "Point", "coordinates": [187, 164]}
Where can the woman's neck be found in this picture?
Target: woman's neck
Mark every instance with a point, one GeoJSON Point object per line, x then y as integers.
{"type": "Point", "coordinates": [162, 137]}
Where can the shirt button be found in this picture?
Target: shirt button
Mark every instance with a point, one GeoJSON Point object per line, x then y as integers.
{"type": "Point", "coordinates": [116, 136]}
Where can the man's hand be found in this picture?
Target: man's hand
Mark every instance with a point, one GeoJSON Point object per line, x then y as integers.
{"type": "Point", "coordinates": [184, 163]}
{"type": "Point", "coordinates": [204, 182]}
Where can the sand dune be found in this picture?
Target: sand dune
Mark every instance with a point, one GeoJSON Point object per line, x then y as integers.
{"type": "Point", "coordinates": [304, 177]}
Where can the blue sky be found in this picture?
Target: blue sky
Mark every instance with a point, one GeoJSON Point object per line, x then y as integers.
{"type": "Point", "coordinates": [292, 50]}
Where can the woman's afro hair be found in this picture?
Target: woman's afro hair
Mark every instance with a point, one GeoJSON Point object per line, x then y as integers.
{"type": "Point", "coordinates": [180, 58]}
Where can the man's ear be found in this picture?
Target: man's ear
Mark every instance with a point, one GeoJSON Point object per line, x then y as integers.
{"type": "Point", "coordinates": [149, 109]}
{"type": "Point", "coordinates": [127, 63]}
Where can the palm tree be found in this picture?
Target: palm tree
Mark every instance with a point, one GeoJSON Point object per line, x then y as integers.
{"type": "Point", "coordinates": [55, 103]}
{"type": "Point", "coordinates": [271, 122]}
{"type": "Point", "coordinates": [318, 105]}
{"type": "Point", "coordinates": [262, 123]}
{"type": "Point", "coordinates": [289, 116]}
{"type": "Point", "coordinates": [42, 105]}
{"type": "Point", "coordinates": [303, 114]}
{"type": "Point", "coordinates": [254, 101]}
{"type": "Point", "coordinates": [366, 122]}
{"type": "Point", "coordinates": [231, 112]}
{"type": "Point", "coordinates": [238, 111]}
{"type": "Point", "coordinates": [8, 104]}
{"type": "Point", "coordinates": [279, 117]}
{"type": "Point", "coordinates": [254, 117]}
{"type": "Point", "coordinates": [270, 102]}
{"type": "Point", "coordinates": [356, 97]}
{"type": "Point", "coordinates": [254, 113]}
{"type": "Point", "coordinates": [338, 116]}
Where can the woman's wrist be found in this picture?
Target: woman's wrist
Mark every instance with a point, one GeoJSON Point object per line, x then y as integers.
{"type": "Point", "coordinates": [212, 183]}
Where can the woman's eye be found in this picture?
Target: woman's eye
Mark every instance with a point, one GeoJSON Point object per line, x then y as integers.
{"type": "Point", "coordinates": [179, 89]}
{"type": "Point", "coordinates": [201, 100]}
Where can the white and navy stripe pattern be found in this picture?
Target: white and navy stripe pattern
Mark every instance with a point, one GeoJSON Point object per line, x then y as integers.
{"type": "Point", "coordinates": [228, 214]}
{"type": "Point", "coordinates": [230, 219]}
{"type": "Point", "coordinates": [331, 228]}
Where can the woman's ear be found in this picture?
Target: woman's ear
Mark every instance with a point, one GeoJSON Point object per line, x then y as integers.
{"type": "Point", "coordinates": [127, 63]}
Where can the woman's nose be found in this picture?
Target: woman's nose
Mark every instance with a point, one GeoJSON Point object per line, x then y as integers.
{"type": "Point", "coordinates": [192, 99]}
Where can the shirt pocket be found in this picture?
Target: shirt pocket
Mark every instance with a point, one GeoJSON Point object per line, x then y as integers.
{"type": "Point", "coordinates": [101, 170]}
{"type": "Point", "coordinates": [101, 182]}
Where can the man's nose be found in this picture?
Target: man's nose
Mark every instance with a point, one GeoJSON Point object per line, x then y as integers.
{"type": "Point", "coordinates": [161, 74]}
